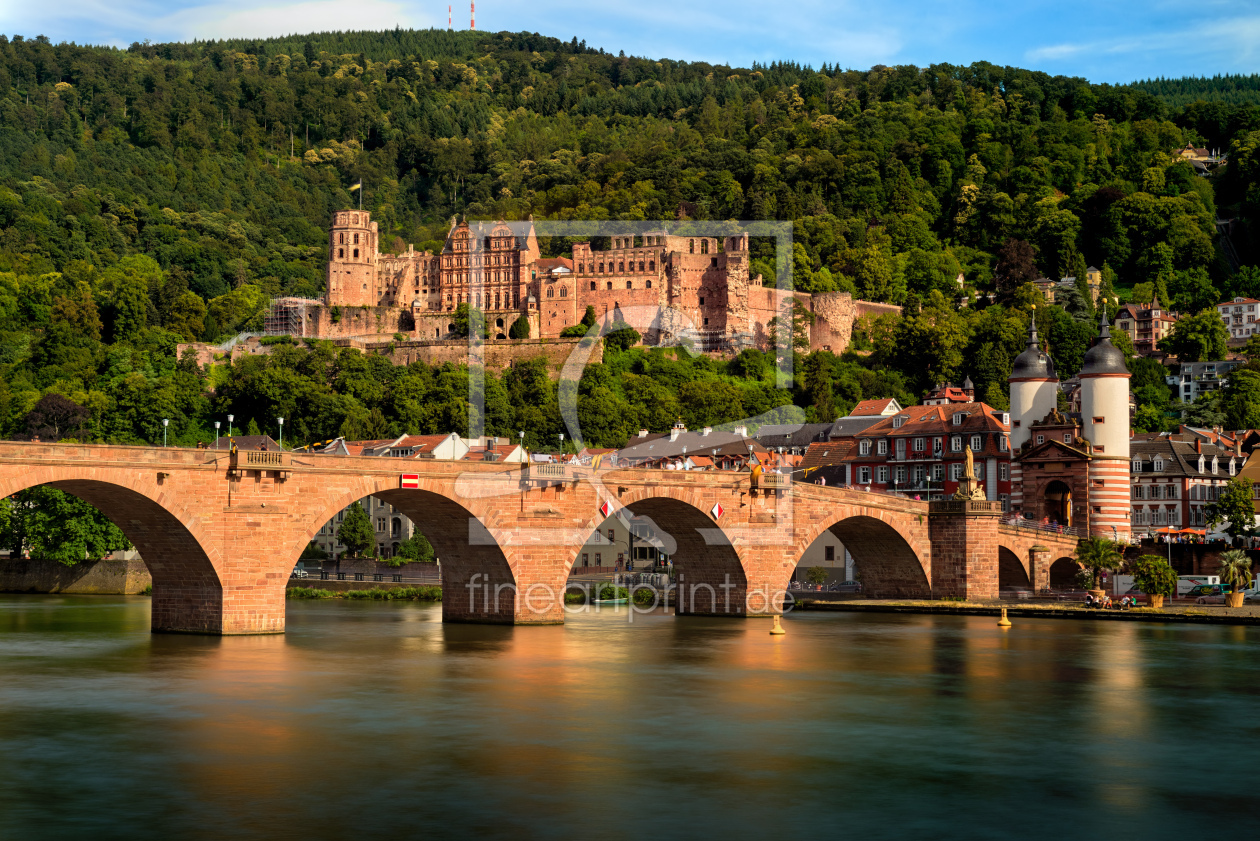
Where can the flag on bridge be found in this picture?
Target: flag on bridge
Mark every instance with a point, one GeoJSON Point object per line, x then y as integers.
{"type": "Point", "coordinates": [409, 480]}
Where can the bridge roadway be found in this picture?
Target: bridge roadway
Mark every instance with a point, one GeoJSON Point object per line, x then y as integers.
{"type": "Point", "coordinates": [221, 532]}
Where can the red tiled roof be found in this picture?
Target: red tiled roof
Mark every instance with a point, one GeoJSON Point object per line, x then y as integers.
{"type": "Point", "coordinates": [822, 453]}
{"type": "Point", "coordinates": [871, 407]}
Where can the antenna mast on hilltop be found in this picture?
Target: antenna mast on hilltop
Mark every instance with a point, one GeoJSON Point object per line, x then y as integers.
{"type": "Point", "coordinates": [448, 18]}
{"type": "Point", "coordinates": [472, 14]}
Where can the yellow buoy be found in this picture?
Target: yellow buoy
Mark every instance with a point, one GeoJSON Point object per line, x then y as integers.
{"type": "Point", "coordinates": [1004, 622]}
{"type": "Point", "coordinates": [778, 628]}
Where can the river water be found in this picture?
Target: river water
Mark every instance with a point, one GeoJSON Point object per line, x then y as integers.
{"type": "Point", "coordinates": [375, 720]}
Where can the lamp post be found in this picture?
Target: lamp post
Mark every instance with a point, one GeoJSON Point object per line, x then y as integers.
{"type": "Point", "coordinates": [562, 443]}
{"type": "Point", "coordinates": [230, 419]}
{"type": "Point", "coordinates": [165, 423]}
{"type": "Point", "coordinates": [216, 433]}
{"type": "Point", "coordinates": [281, 442]}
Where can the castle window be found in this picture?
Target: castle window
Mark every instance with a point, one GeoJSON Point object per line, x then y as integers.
{"type": "Point", "coordinates": [551, 293]}
{"type": "Point", "coordinates": [601, 268]}
{"type": "Point", "coordinates": [593, 286]}
{"type": "Point", "coordinates": [610, 286]}
{"type": "Point", "coordinates": [341, 253]}
{"type": "Point", "coordinates": [691, 246]}
{"type": "Point", "coordinates": [356, 239]}
{"type": "Point", "coordinates": [702, 302]}
{"type": "Point", "coordinates": [704, 246]}
{"type": "Point", "coordinates": [621, 268]}
{"type": "Point", "coordinates": [341, 239]}
{"type": "Point", "coordinates": [651, 265]}
{"type": "Point", "coordinates": [640, 265]}
{"type": "Point", "coordinates": [564, 291]}
{"type": "Point", "coordinates": [649, 284]}
{"type": "Point", "coordinates": [581, 268]}
{"type": "Point", "coordinates": [356, 253]}
{"type": "Point", "coordinates": [629, 284]}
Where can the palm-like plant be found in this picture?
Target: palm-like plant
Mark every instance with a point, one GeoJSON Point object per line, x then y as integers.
{"type": "Point", "coordinates": [1236, 569]}
{"type": "Point", "coordinates": [1097, 554]}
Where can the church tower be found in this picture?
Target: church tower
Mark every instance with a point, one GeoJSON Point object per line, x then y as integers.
{"type": "Point", "coordinates": [1105, 424]}
{"type": "Point", "coordinates": [352, 280]}
{"type": "Point", "coordinates": [1034, 394]}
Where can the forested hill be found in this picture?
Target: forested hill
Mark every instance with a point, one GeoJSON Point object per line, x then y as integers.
{"type": "Point", "coordinates": [166, 191]}
{"type": "Point", "coordinates": [1235, 89]}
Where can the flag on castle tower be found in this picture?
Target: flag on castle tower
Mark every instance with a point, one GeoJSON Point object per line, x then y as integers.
{"type": "Point", "coordinates": [358, 186]}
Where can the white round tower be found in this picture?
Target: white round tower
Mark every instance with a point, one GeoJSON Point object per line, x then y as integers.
{"type": "Point", "coordinates": [1105, 424]}
{"type": "Point", "coordinates": [1034, 388]}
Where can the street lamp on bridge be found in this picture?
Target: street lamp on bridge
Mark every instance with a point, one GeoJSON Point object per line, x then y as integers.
{"type": "Point", "coordinates": [216, 433]}
{"type": "Point", "coordinates": [281, 442]}
{"type": "Point", "coordinates": [165, 423]}
{"type": "Point", "coordinates": [230, 419]}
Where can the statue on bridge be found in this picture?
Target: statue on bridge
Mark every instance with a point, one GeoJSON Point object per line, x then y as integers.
{"type": "Point", "coordinates": [969, 487]}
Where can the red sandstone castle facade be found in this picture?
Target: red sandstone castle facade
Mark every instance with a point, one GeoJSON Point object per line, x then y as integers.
{"type": "Point", "coordinates": [669, 287]}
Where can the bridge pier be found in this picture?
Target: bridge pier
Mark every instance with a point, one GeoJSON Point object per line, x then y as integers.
{"type": "Point", "coordinates": [964, 537]}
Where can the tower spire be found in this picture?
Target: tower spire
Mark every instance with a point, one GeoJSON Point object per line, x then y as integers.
{"type": "Point", "coordinates": [1104, 329]}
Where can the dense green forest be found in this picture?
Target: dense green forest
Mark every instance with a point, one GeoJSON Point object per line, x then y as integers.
{"type": "Point", "coordinates": [164, 192]}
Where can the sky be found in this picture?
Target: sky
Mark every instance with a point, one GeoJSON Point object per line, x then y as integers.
{"type": "Point", "coordinates": [1101, 40]}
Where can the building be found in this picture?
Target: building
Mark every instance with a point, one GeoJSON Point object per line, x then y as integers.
{"type": "Point", "coordinates": [792, 438]}
{"type": "Point", "coordinates": [946, 393]}
{"type": "Point", "coordinates": [1145, 325]}
{"type": "Point", "coordinates": [1072, 470]}
{"type": "Point", "coordinates": [1049, 289]}
{"type": "Point", "coordinates": [1239, 316]}
{"type": "Point", "coordinates": [392, 527]}
{"type": "Point", "coordinates": [726, 450]}
{"type": "Point", "coordinates": [1190, 380]}
{"type": "Point", "coordinates": [671, 287]}
{"type": "Point", "coordinates": [1173, 480]}
{"type": "Point", "coordinates": [919, 451]}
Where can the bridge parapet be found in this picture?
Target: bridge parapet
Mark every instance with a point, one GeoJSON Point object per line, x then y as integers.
{"type": "Point", "coordinates": [970, 507]}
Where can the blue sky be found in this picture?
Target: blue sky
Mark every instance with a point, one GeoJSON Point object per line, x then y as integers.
{"type": "Point", "coordinates": [1103, 40]}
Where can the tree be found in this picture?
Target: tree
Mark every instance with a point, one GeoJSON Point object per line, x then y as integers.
{"type": "Point", "coordinates": [519, 329]}
{"type": "Point", "coordinates": [1098, 554]}
{"type": "Point", "coordinates": [313, 552]}
{"type": "Point", "coordinates": [414, 550]}
{"type": "Point", "coordinates": [56, 526]}
{"type": "Point", "coordinates": [55, 417]}
{"type": "Point", "coordinates": [1016, 265]}
{"type": "Point", "coordinates": [356, 532]}
{"type": "Point", "coordinates": [188, 316]}
{"type": "Point", "coordinates": [1153, 576]}
{"type": "Point", "coordinates": [621, 336]}
{"type": "Point", "coordinates": [589, 318]}
{"type": "Point", "coordinates": [1197, 338]}
{"type": "Point", "coordinates": [468, 321]}
{"type": "Point", "coordinates": [1236, 569]}
{"type": "Point", "coordinates": [816, 575]}
{"type": "Point", "coordinates": [1233, 508]}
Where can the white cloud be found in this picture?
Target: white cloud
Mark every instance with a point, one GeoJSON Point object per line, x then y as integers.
{"type": "Point", "coordinates": [248, 20]}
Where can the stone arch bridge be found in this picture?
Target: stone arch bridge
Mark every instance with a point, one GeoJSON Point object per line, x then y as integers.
{"type": "Point", "coordinates": [221, 532]}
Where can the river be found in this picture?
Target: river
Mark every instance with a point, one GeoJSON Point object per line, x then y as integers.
{"type": "Point", "coordinates": [375, 720]}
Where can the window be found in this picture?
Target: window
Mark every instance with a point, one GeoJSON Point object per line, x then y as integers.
{"type": "Point", "coordinates": [1099, 420]}
{"type": "Point", "coordinates": [356, 252]}
{"type": "Point", "coordinates": [1157, 464]}
{"type": "Point", "coordinates": [901, 448]}
{"type": "Point", "coordinates": [612, 535]}
{"type": "Point", "coordinates": [341, 253]}
{"type": "Point", "coordinates": [1067, 438]}
{"type": "Point", "coordinates": [1231, 467]}
{"type": "Point", "coordinates": [593, 286]}
{"type": "Point", "coordinates": [599, 562]}
{"type": "Point", "coordinates": [955, 444]}
{"type": "Point", "coordinates": [883, 475]}
{"type": "Point", "coordinates": [864, 448]}
{"type": "Point", "coordinates": [977, 443]}
{"type": "Point", "coordinates": [955, 472]}
{"type": "Point", "coordinates": [1041, 439]}
{"type": "Point", "coordinates": [564, 291]}
{"type": "Point", "coordinates": [1004, 472]}
{"type": "Point", "coordinates": [1136, 467]}
{"type": "Point", "coordinates": [1200, 464]}
{"type": "Point", "coordinates": [918, 444]}
{"type": "Point", "coordinates": [898, 421]}
{"type": "Point", "coordinates": [901, 475]}
{"type": "Point", "coordinates": [648, 284]}
{"type": "Point", "coordinates": [1003, 443]}
{"type": "Point", "coordinates": [629, 284]}
{"type": "Point", "coordinates": [829, 553]}
{"type": "Point", "coordinates": [938, 473]}
{"type": "Point", "coordinates": [938, 444]}
{"type": "Point", "coordinates": [864, 475]}
{"type": "Point", "coordinates": [1139, 492]}
{"type": "Point", "coordinates": [882, 447]}
{"type": "Point", "coordinates": [958, 418]}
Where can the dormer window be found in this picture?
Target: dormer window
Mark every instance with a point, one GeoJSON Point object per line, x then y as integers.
{"type": "Point", "coordinates": [882, 447]}
{"type": "Point", "coordinates": [898, 421]}
{"type": "Point", "coordinates": [1002, 443]}
{"type": "Point", "coordinates": [955, 444]}
{"type": "Point", "coordinates": [864, 448]}
{"type": "Point", "coordinates": [1201, 463]}
{"type": "Point", "coordinates": [1157, 464]}
{"type": "Point", "coordinates": [1215, 465]}
{"type": "Point", "coordinates": [977, 443]}
{"type": "Point", "coordinates": [1006, 419]}
{"type": "Point", "coordinates": [1231, 467]}
{"type": "Point", "coordinates": [958, 418]}
{"type": "Point", "coordinates": [1137, 465]}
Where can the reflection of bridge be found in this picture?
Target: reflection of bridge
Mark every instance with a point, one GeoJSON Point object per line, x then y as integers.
{"type": "Point", "coordinates": [220, 533]}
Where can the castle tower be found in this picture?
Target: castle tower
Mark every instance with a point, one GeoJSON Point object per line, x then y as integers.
{"type": "Point", "coordinates": [1105, 424]}
{"type": "Point", "coordinates": [1034, 394]}
{"type": "Point", "coordinates": [352, 277]}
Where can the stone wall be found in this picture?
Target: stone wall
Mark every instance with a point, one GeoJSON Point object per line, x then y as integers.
{"type": "Point", "coordinates": [498, 355]}
{"type": "Point", "coordinates": [88, 577]}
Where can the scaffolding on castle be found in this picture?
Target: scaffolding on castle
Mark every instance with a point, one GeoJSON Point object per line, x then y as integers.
{"type": "Point", "coordinates": [287, 316]}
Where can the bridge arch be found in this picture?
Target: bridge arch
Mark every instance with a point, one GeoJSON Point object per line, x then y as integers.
{"type": "Point", "coordinates": [1063, 573]}
{"type": "Point", "coordinates": [709, 572]}
{"type": "Point", "coordinates": [883, 550]}
{"type": "Point", "coordinates": [478, 580]}
{"type": "Point", "coordinates": [1013, 569]}
{"type": "Point", "coordinates": [173, 542]}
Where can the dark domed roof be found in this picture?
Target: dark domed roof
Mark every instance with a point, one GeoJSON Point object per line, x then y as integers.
{"type": "Point", "coordinates": [1103, 357]}
{"type": "Point", "coordinates": [1032, 364]}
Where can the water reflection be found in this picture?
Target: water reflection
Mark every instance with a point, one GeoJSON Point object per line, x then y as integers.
{"type": "Point", "coordinates": [376, 720]}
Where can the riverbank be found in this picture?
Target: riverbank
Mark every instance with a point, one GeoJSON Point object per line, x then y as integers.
{"type": "Point", "coordinates": [1192, 614]}
{"type": "Point", "coordinates": [89, 578]}
{"type": "Point", "coordinates": [388, 593]}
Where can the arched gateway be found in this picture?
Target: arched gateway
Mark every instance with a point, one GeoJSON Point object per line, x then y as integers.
{"type": "Point", "coordinates": [220, 532]}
